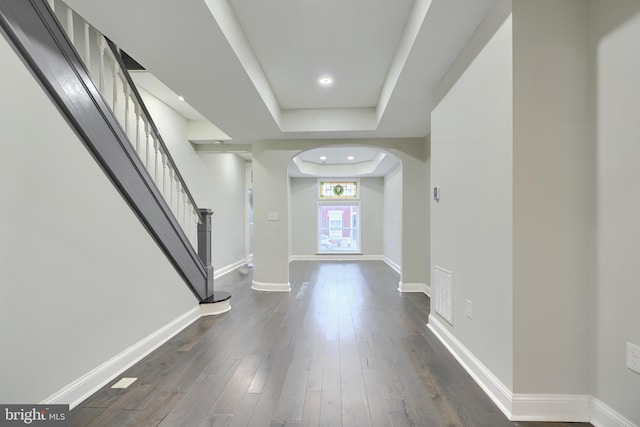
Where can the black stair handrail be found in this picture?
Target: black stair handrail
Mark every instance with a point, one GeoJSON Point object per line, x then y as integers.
{"type": "Point", "coordinates": [39, 39]}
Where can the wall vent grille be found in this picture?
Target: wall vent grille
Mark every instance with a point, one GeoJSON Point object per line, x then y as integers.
{"type": "Point", "coordinates": [444, 294]}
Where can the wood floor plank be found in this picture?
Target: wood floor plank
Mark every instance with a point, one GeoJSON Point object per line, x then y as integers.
{"type": "Point", "coordinates": [245, 411]}
{"type": "Point", "coordinates": [343, 348]}
{"type": "Point", "coordinates": [355, 407]}
{"type": "Point", "coordinates": [311, 410]}
{"type": "Point", "coordinates": [331, 405]}
{"type": "Point", "coordinates": [378, 410]}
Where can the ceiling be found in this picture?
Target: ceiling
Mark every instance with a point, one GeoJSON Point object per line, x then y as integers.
{"type": "Point", "coordinates": [343, 161]}
{"type": "Point", "coordinates": [251, 67]}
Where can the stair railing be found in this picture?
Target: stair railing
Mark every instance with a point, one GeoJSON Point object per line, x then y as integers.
{"type": "Point", "coordinates": [105, 65]}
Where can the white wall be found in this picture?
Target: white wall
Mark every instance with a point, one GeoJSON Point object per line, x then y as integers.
{"type": "Point", "coordinates": [216, 181]}
{"type": "Point", "coordinates": [471, 225]}
{"type": "Point", "coordinates": [304, 216]}
{"type": "Point", "coordinates": [392, 228]}
{"type": "Point", "coordinates": [271, 190]}
{"type": "Point", "coordinates": [415, 219]}
{"type": "Point", "coordinates": [553, 205]}
{"type": "Point", "coordinates": [615, 27]}
{"type": "Point", "coordinates": [81, 280]}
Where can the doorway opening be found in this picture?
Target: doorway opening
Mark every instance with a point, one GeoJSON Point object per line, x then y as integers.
{"type": "Point", "coordinates": [338, 227]}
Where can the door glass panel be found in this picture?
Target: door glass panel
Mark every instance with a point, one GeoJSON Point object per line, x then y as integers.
{"type": "Point", "coordinates": [338, 228]}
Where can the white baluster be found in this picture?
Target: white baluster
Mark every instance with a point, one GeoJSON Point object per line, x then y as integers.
{"type": "Point", "coordinates": [185, 209]}
{"type": "Point", "coordinates": [115, 86]}
{"type": "Point", "coordinates": [138, 118]}
{"type": "Point", "coordinates": [194, 235]}
{"type": "Point", "coordinates": [126, 109]}
{"type": "Point", "coordinates": [70, 24]}
{"type": "Point", "coordinates": [103, 46]}
{"type": "Point", "coordinates": [147, 133]}
{"type": "Point", "coordinates": [178, 201]}
{"type": "Point", "coordinates": [156, 164]}
{"type": "Point", "coordinates": [87, 47]}
{"type": "Point", "coordinates": [164, 174]}
{"type": "Point", "coordinates": [172, 177]}
{"type": "Point", "coordinates": [189, 221]}
{"type": "Point", "coordinates": [52, 5]}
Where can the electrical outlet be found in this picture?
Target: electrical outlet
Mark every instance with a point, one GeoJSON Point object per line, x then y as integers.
{"type": "Point", "coordinates": [633, 357]}
{"type": "Point", "coordinates": [469, 309]}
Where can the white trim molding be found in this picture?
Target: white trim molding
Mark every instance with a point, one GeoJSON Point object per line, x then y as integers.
{"type": "Point", "coordinates": [492, 386]}
{"type": "Point", "coordinates": [213, 309]}
{"type": "Point", "coordinates": [415, 287]}
{"type": "Point", "coordinates": [602, 415]}
{"type": "Point", "coordinates": [271, 287]}
{"type": "Point", "coordinates": [228, 269]}
{"type": "Point", "coordinates": [83, 387]}
{"type": "Point", "coordinates": [528, 407]}
{"type": "Point", "coordinates": [393, 264]}
{"type": "Point", "coordinates": [550, 407]}
{"type": "Point", "coordinates": [336, 257]}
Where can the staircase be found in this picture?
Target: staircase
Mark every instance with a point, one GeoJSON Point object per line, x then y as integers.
{"type": "Point", "coordinates": [84, 74]}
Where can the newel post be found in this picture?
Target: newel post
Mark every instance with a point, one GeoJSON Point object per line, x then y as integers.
{"type": "Point", "coordinates": [204, 246]}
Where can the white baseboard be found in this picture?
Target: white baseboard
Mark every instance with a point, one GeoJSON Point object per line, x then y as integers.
{"type": "Point", "coordinates": [492, 386]}
{"type": "Point", "coordinates": [213, 309]}
{"type": "Point", "coordinates": [336, 257]}
{"type": "Point", "coordinates": [80, 389]}
{"type": "Point", "coordinates": [528, 407]}
{"type": "Point", "coordinates": [603, 415]}
{"type": "Point", "coordinates": [415, 287]}
{"type": "Point", "coordinates": [393, 265]}
{"type": "Point", "coordinates": [550, 407]}
{"type": "Point", "coordinates": [271, 287]}
{"type": "Point", "coordinates": [228, 269]}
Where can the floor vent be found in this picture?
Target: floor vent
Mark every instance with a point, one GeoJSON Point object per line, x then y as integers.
{"type": "Point", "coordinates": [444, 294]}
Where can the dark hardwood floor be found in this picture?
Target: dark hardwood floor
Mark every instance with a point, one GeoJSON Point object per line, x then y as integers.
{"type": "Point", "coordinates": [343, 348]}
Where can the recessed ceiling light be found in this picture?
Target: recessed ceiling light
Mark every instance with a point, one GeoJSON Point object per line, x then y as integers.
{"type": "Point", "coordinates": [181, 98]}
{"type": "Point", "coordinates": [325, 81]}
{"type": "Point", "coordinates": [350, 157]}
{"type": "Point", "coordinates": [218, 142]}
{"type": "Point", "coordinates": [323, 158]}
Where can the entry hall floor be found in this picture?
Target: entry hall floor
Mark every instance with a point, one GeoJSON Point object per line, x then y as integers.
{"type": "Point", "coordinates": [343, 348]}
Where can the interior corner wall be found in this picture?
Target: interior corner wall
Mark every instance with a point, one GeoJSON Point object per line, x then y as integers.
{"type": "Point", "coordinates": [553, 178]}
{"type": "Point", "coordinates": [415, 219]}
{"type": "Point", "coordinates": [304, 194]}
{"type": "Point", "coordinates": [615, 31]}
{"type": "Point", "coordinates": [81, 279]}
{"type": "Point", "coordinates": [392, 216]}
{"type": "Point", "coordinates": [304, 216]}
{"type": "Point", "coordinates": [471, 164]}
{"type": "Point", "coordinates": [215, 180]}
